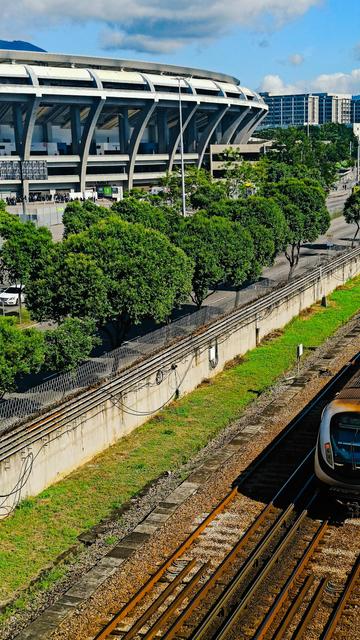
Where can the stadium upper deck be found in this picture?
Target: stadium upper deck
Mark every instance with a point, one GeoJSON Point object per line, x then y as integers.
{"type": "Point", "coordinates": [99, 121]}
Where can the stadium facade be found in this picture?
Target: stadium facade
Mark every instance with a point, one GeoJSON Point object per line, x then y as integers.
{"type": "Point", "coordinates": [79, 123]}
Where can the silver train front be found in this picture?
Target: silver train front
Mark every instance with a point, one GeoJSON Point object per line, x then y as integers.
{"type": "Point", "coordinates": [337, 456]}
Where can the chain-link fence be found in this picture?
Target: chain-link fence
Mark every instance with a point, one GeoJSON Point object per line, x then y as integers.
{"type": "Point", "coordinates": [17, 407]}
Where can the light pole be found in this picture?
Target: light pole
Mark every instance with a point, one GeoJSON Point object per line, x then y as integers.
{"type": "Point", "coordinates": [183, 194]}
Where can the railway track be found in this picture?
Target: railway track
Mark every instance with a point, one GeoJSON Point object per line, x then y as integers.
{"type": "Point", "coordinates": [227, 582]}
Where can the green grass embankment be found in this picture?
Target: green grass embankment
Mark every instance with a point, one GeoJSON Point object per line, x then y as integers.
{"type": "Point", "coordinates": [45, 526]}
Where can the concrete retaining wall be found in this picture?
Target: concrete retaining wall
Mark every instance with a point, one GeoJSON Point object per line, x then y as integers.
{"type": "Point", "coordinates": [47, 460]}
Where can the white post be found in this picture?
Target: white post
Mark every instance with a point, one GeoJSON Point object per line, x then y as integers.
{"type": "Point", "coordinates": [183, 194]}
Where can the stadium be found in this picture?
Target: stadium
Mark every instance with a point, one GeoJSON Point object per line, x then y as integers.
{"type": "Point", "coordinates": [77, 123]}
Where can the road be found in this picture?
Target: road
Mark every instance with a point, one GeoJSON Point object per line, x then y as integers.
{"type": "Point", "coordinates": [336, 199]}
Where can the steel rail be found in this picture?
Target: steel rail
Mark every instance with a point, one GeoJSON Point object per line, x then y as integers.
{"type": "Point", "coordinates": [140, 594]}
{"type": "Point", "coordinates": [158, 602]}
{"type": "Point", "coordinates": [310, 611]}
{"type": "Point", "coordinates": [294, 608]}
{"type": "Point", "coordinates": [175, 604]}
{"type": "Point", "coordinates": [189, 541]}
{"type": "Point", "coordinates": [282, 597]}
{"type": "Point", "coordinates": [254, 528]}
{"type": "Point", "coordinates": [203, 629]}
{"type": "Point", "coordinates": [16, 438]}
{"type": "Point", "coordinates": [337, 613]}
{"type": "Point", "coordinates": [231, 556]}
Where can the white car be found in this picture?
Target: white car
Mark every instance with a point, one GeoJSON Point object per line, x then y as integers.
{"type": "Point", "coordinates": [12, 296]}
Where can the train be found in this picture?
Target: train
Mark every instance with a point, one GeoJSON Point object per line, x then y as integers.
{"type": "Point", "coordinates": [337, 454]}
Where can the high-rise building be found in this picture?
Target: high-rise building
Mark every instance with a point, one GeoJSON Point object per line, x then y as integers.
{"type": "Point", "coordinates": [291, 110]}
{"type": "Point", "coordinates": [288, 110]}
{"type": "Point", "coordinates": [335, 107]}
{"type": "Point", "coordinates": [355, 109]}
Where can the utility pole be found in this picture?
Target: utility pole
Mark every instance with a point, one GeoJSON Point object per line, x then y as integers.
{"type": "Point", "coordinates": [183, 194]}
{"type": "Point", "coordinates": [22, 187]}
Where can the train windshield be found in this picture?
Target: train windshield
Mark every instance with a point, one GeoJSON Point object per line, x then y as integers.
{"type": "Point", "coordinates": [345, 438]}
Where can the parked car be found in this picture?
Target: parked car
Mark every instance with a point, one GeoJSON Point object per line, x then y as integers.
{"type": "Point", "coordinates": [11, 296]}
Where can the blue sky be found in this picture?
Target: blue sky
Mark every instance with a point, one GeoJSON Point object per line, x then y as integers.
{"type": "Point", "coordinates": [270, 44]}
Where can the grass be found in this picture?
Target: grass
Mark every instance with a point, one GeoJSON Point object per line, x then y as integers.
{"type": "Point", "coordinates": [41, 528]}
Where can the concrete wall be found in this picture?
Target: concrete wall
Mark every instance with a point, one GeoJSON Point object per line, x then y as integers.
{"type": "Point", "coordinates": [46, 461]}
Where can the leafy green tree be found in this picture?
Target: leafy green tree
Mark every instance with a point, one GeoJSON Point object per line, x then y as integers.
{"type": "Point", "coordinates": [25, 250]}
{"type": "Point", "coordinates": [207, 194]}
{"type": "Point", "coordinates": [242, 178]}
{"type": "Point", "coordinates": [70, 344]}
{"type": "Point", "coordinates": [114, 272]}
{"type": "Point", "coordinates": [276, 171]}
{"type": "Point", "coordinates": [264, 248]}
{"type": "Point", "coordinates": [200, 189]}
{"type": "Point", "coordinates": [21, 352]}
{"type": "Point", "coordinates": [264, 219]}
{"type": "Point", "coordinates": [352, 211]}
{"type": "Point", "coordinates": [321, 152]}
{"type": "Point", "coordinates": [304, 207]}
{"type": "Point", "coordinates": [79, 216]}
{"type": "Point", "coordinates": [70, 284]}
{"type": "Point", "coordinates": [222, 251]}
{"type": "Point", "coordinates": [153, 217]}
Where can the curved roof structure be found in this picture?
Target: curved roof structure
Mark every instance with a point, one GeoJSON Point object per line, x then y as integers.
{"type": "Point", "coordinates": [99, 121]}
{"type": "Point", "coordinates": [65, 60]}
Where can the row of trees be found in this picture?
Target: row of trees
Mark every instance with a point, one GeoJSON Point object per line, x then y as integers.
{"type": "Point", "coordinates": [141, 259]}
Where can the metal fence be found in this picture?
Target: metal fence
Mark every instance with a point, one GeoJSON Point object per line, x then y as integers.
{"type": "Point", "coordinates": [96, 371]}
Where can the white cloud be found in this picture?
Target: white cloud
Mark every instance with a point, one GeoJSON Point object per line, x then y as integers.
{"type": "Point", "coordinates": [332, 82]}
{"type": "Point", "coordinates": [113, 39]}
{"type": "Point", "coordinates": [275, 84]}
{"type": "Point", "coordinates": [296, 59]}
{"type": "Point", "coordinates": [338, 82]}
{"type": "Point", "coordinates": [154, 25]}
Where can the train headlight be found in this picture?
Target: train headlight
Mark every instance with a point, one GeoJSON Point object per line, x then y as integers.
{"type": "Point", "coordinates": [329, 454]}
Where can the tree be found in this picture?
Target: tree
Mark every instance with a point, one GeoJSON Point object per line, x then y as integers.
{"type": "Point", "coordinates": [241, 177]}
{"type": "Point", "coordinates": [79, 216]}
{"type": "Point", "coordinates": [264, 248]}
{"type": "Point", "coordinates": [222, 251]}
{"type": "Point", "coordinates": [21, 352]}
{"type": "Point", "coordinates": [25, 250]}
{"type": "Point", "coordinates": [153, 217]}
{"type": "Point", "coordinates": [71, 284]}
{"type": "Point", "coordinates": [69, 344]}
{"type": "Point", "coordinates": [200, 189]}
{"type": "Point", "coordinates": [114, 272]}
{"type": "Point", "coordinates": [352, 211]}
{"type": "Point", "coordinates": [304, 208]}
{"type": "Point", "coordinates": [320, 150]}
{"type": "Point", "coordinates": [264, 219]}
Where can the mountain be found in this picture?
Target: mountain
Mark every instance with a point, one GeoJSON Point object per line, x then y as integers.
{"type": "Point", "coordinates": [19, 45]}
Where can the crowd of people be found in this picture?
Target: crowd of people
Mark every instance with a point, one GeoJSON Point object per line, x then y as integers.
{"type": "Point", "coordinates": [38, 197]}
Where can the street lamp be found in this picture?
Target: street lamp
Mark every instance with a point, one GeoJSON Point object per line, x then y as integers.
{"type": "Point", "coordinates": [183, 194]}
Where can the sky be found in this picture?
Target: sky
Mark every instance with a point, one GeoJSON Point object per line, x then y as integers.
{"type": "Point", "coordinates": [271, 45]}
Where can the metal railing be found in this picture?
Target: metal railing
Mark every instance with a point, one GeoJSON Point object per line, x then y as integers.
{"type": "Point", "coordinates": [206, 324]}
